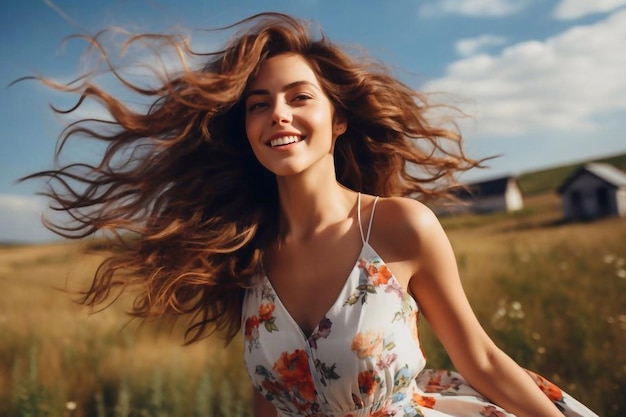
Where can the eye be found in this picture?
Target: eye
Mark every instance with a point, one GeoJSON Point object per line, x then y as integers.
{"type": "Point", "coordinates": [302, 97]}
{"type": "Point", "coordinates": [255, 106]}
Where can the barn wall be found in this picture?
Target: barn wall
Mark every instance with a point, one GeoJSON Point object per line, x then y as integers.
{"type": "Point", "coordinates": [587, 205]}
{"type": "Point", "coordinates": [513, 196]}
{"type": "Point", "coordinates": [620, 199]}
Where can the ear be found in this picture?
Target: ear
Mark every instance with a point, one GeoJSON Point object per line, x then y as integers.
{"type": "Point", "coordinates": [340, 125]}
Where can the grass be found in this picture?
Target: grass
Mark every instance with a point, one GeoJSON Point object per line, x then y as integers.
{"type": "Point", "coordinates": [58, 360]}
{"type": "Point", "coordinates": [552, 295]}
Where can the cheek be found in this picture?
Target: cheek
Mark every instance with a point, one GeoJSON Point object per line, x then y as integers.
{"type": "Point", "coordinates": [252, 128]}
{"type": "Point", "coordinates": [321, 117]}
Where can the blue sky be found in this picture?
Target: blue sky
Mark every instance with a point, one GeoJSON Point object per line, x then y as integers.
{"type": "Point", "coordinates": [544, 81]}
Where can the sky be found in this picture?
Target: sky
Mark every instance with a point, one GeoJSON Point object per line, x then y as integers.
{"type": "Point", "coordinates": [543, 82]}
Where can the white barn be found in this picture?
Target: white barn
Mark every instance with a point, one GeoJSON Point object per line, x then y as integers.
{"type": "Point", "coordinates": [595, 190]}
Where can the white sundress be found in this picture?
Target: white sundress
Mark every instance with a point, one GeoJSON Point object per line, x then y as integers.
{"type": "Point", "coordinates": [363, 358]}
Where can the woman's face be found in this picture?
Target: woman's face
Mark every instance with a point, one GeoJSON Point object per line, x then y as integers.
{"type": "Point", "coordinates": [290, 121]}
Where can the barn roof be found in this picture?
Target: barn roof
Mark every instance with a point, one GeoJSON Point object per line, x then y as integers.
{"type": "Point", "coordinates": [487, 188]}
{"type": "Point", "coordinates": [606, 172]}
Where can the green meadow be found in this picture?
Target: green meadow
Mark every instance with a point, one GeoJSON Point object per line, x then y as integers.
{"type": "Point", "coordinates": [552, 295]}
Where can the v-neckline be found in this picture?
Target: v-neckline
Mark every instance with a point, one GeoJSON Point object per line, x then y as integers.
{"type": "Point", "coordinates": [332, 306]}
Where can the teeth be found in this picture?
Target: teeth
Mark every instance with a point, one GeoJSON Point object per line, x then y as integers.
{"type": "Point", "coordinates": [285, 140]}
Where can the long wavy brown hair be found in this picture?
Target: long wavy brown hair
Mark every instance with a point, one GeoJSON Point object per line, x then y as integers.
{"type": "Point", "coordinates": [182, 178]}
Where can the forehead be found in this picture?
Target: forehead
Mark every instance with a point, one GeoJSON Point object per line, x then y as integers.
{"type": "Point", "coordinates": [281, 70]}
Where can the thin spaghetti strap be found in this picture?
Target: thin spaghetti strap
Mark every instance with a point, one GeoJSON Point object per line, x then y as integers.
{"type": "Point", "coordinates": [369, 227]}
{"type": "Point", "coordinates": [358, 215]}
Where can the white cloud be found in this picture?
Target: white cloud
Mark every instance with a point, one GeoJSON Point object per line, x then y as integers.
{"type": "Point", "coordinates": [470, 46]}
{"type": "Point", "coordinates": [574, 9]}
{"type": "Point", "coordinates": [476, 8]}
{"type": "Point", "coordinates": [563, 84]}
{"type": "Point", "coordinates": [20, 219]}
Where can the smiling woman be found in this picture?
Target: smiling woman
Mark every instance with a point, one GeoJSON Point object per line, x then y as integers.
{"type": "Point", "coordinates": [267, 194]}
{"type": "Point", "coordinates": [290, 122]}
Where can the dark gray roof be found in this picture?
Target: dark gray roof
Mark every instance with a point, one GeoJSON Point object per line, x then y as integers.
{"type": "Point", "coordinates": [606, 172]}
{"type": "Point", "coordinates": [488, 188]}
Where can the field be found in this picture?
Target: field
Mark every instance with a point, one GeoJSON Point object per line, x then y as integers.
{"type": "Point", "coordinates": [552, 295]}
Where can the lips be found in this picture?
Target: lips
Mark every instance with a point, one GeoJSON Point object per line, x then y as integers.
{"type": "Point", "coordinates": [285, 140]}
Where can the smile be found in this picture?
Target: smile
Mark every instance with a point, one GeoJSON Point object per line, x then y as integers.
{"type": "Point", "coordinates": [285, 140]}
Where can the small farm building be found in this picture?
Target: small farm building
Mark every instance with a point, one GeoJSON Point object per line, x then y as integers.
{"type": "Point", "coordinates": [594, 190]}
{"type": "Point", "coordinates": [496, 195]}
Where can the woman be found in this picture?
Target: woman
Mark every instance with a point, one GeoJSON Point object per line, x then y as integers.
{"type": "Point", "coordinates": [267, 193]}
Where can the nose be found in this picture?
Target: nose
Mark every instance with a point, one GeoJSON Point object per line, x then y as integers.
{"type": "Point", "coordinates": [281, 114]}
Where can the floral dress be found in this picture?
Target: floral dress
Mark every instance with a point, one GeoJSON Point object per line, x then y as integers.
{"type": "Point", "coordinates": [363, 358]}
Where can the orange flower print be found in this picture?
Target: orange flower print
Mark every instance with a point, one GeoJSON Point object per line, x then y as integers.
{"type": "Point", "coordinates": [367, 344]}
{"type": "Point", "coordinates": [378, 273]}
{"type": "Point", "coordinates": [413, 326]}
{"type": "Point", "coordinates": [386, 411]}
{"type": "Point", "coordinates": [428, 402]}
{"type": "Point", "coordinates": [553, 392]}
{"type": "Point", "coordinates": [265, 311]}
{"type": "Point", "coordinates": [367, 382]}
{"type": "Point", "coordinates": [293, 369]}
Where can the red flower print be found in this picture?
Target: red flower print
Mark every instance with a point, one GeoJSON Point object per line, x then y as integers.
{"type": "Point", "coordinates": [367, 382]}
{"type": "Point", "coordinates": [265, 311]}
{"type": "Point", "coordinates": [293, 369]}
{"type": "Point", "coordinates": [252, 323]}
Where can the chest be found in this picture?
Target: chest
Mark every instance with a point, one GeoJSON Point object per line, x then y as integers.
{"type": "Point", "coordinates": [308, 278]}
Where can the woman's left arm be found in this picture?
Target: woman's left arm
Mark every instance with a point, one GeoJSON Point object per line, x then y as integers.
{"type": "Point", "coordinates": [436, 285]}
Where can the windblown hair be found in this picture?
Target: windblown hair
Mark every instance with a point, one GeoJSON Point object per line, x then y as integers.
{"type": "Point", "coordinates": [182, 178]}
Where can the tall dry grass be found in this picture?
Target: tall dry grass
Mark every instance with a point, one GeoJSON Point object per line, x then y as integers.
{"type": "Point", "coordinates": [551, 295]}
{"type": "Point", "coordinates": [56, 359]}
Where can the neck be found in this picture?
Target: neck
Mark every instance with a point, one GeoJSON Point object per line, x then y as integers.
{"type": "Point", "coordinates": [312, 201]}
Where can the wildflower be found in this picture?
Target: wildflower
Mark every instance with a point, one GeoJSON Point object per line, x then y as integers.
{"type": "Point", "coordinates": [621, 273]}
{"type": "Point", "coordinates": [609, 259]}
{"type": "Point", "coordinates": [516, 310]}
{"type": "Point", "coordinates": [70, 405]}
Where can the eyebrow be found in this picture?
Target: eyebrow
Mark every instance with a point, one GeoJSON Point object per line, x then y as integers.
{"type": "Point", "coordinates": [285, 88]}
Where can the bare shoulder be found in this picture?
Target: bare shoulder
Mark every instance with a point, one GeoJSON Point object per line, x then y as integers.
{"type": "Point", "coordinates": [404, 218]}
{"type": "Point", "coordinates": [401, 231]}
